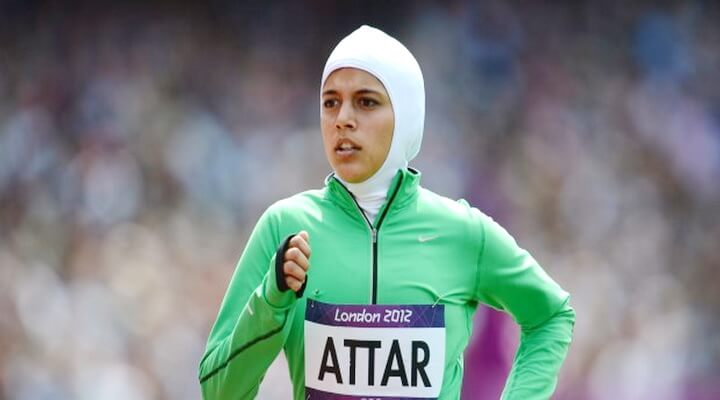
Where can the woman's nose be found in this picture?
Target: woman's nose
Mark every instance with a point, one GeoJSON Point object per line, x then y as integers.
{"type": "Point", "coordinates": [346, 117]}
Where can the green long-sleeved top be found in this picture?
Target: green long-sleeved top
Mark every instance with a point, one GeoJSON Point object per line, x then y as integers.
{"type": "Point", "coordinates": [422, 248]}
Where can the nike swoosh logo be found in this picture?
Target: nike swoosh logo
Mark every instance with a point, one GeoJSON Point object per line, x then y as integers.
{"type": "Point", "coordinates": [422, 239]}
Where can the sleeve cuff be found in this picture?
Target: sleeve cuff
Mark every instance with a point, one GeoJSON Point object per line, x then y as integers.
{"type": "Point", "coordinates": [277, 292]}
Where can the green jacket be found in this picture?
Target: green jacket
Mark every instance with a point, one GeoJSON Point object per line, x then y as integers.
{"type": "Point", "coordinates": [422, 248]}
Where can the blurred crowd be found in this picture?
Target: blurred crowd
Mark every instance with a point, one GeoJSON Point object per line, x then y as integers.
{"type": "Point", "coordinates": [139, 143]}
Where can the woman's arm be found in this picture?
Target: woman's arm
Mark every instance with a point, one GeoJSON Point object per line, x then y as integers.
{"type": "Point", "coordinates": [510, 279]}
{"type": "Point", "coordinates": [252, 324]}
{"type": "Point", "coordinates": [539, 357]}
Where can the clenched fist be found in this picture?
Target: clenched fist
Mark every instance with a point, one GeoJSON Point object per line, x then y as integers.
{"type": "Point", "coordinates": [296, 261]}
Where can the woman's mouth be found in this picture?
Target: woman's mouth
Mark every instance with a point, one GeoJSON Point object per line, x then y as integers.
{"type": "Point", "coordinates": [345, 148]}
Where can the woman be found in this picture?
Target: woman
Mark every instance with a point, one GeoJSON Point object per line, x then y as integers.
{"type": "Point", "coordinates": [370, 284]}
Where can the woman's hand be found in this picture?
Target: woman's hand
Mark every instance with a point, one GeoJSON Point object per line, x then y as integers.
{"type": "Point", "coordinates": [296, 261]}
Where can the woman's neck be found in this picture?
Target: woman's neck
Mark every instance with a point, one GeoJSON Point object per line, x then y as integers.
{"type": "Point", "coordinates": [372, 193]}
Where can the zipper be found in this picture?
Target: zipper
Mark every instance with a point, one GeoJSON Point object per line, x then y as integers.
{"type": "Point", "coordinates": [373, 290]}
{"type": "Point", "coordinates": [373, 248]}
{"type": "Point", "coordinates": [374, 235]}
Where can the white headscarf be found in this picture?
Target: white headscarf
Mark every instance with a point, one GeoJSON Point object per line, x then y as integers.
{"type": "Point", "coordinates": [383, 56]}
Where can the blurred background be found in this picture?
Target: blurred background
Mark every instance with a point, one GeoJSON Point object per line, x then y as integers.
{"type": "Point", "coordinates": [140, 142]}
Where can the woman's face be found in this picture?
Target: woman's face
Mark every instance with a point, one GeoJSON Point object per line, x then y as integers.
{"type": "Point", "coordinates": [357, 123]}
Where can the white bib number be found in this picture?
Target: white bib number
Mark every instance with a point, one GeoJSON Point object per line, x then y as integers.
{"type": "Point", "coordinates": [373, 351]}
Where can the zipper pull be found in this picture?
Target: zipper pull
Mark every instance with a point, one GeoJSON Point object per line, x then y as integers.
{"type": "Point", "coordinates": [374, 235]}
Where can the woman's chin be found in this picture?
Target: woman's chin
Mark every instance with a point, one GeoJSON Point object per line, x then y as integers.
{"type": "Point", "coordinates": [350, 175]}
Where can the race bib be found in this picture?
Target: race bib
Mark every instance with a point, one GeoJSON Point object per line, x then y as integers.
{"type": "Point", "coordinates": [369, 352]}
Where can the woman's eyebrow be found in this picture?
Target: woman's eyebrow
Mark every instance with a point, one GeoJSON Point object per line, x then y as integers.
{"type": "Point", "coordinates": [368, 91]}
{"type": "Point", "coordinates": [333, 92]}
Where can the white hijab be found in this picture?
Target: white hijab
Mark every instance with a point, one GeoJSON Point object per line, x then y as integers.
{"type": "Point", "coordinates": [383, 56]}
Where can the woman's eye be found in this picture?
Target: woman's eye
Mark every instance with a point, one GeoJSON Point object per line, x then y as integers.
{"type": "Point", "coordinates": [366, 102]}
{"type": "Point", "coordinates": [330, 103]}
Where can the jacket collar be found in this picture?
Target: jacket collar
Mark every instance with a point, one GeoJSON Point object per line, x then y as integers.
{"type": "Point", "coordinates": [403, 190]}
